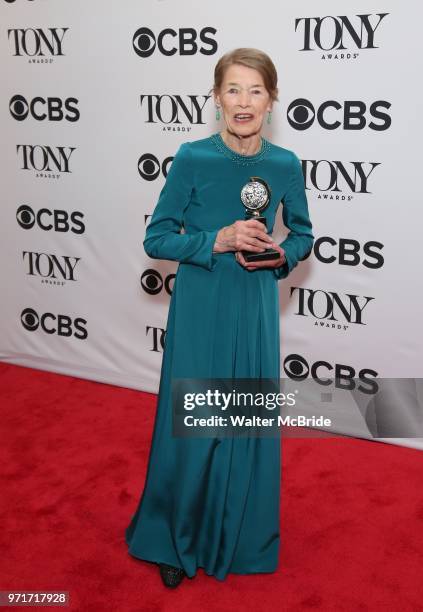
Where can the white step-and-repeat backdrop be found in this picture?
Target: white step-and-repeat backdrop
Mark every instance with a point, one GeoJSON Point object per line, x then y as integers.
{"type": "Point", "coordinates": [96, 99]}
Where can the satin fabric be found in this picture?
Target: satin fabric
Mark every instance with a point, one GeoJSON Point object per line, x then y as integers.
{"type": "Point", "coordinates": [209, 502]}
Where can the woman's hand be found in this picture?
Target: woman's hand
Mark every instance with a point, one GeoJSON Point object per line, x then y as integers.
{"type": "Point", "coordinates": [247, 235]}
{"type": "Point", "coordinates": [270, 263]}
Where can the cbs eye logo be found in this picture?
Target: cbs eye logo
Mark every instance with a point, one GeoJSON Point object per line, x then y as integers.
{"type": "Point", "coordinates": [152, 282]}
{"type": "Point", "coordinates": [18, 107]}
{"type": "Point", "coordinates": [25, 216]}
{"type": "Point", "coordinates": [149, 166]}
{"type": "Point", "coordinates": [30, 319]}
{"type": "Point", "coordinates": [296, 367]}
{"type": "Point", "coordinates": [169, 42]}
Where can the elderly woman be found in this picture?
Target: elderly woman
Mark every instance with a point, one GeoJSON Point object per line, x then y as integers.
{"type": "Point", "coordinates": [208, 502]}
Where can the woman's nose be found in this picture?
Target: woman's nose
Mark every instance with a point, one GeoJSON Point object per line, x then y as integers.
{"type": "Point", "coordinates": [244, 98]}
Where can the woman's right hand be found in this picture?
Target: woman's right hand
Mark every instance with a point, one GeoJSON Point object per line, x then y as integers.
{"type": "Point", "coordinates": [249, 235]}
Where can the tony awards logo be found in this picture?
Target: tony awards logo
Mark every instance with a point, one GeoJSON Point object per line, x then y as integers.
{"type": "Point", "coordinates": [255, 195]}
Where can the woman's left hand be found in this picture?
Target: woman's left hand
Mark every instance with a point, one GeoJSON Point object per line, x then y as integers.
{"type": "Point", "coordinates": [270, 263]}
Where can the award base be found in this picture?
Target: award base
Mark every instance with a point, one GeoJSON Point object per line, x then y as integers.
{"type": "Point", "coordinates": [266, 255]}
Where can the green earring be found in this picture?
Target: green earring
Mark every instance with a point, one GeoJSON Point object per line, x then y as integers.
{"type": "Point", "coordinates": [269, 117]}
{"type": "Point", "coordinates": [217, 113]}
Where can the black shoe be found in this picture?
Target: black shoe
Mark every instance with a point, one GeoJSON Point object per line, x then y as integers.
{"type": "Point", "coordinates": [171, 576]}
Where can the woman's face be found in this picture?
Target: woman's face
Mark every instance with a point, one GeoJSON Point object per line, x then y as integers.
{"type": "Point", "coordinates": [244, 100]}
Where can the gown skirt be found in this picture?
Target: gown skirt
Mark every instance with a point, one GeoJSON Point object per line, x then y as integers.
{"type": "Point", "coordinates": [214, 502]}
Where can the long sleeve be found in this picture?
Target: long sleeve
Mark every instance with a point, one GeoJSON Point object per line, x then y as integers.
{"type": "Point", "coordinates": [299, 242]}
{"type": "Point", "coordinates": [163, 239]}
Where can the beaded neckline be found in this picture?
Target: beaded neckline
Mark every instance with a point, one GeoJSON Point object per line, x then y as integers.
{"type": "Point", "coordinates": [238, 158]}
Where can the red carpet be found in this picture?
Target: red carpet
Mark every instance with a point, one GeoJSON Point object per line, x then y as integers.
{"type": "Point", "coordinates": [73, 462]}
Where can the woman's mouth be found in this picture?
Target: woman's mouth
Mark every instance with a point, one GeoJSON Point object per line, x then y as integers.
{"type": "Point", "coordinates": [243, 117]}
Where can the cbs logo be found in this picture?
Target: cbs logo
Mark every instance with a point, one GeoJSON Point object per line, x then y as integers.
{"type": "Point", "coordinates": [342, 375]}
{"type": "Point", "coordinates": [149, 167]}
{"type": "Point", "coordinates": [185, 41]}
{"type": "Point", "coordinates": [62, 325]}
{"type": "Point", "coordinates": [349, 252]}
{"type": "Point", "coordinates": [152, 282]}
{"type": "Point", "coordinates": [331, 115]}
{"type": "Point", "coordinates": [45, 219]}
{"type": "Point", "coordinates": [44, 108]}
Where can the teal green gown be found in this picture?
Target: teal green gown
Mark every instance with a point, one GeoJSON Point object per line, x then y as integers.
{"type": "Point", "coordinates": [214, 502]}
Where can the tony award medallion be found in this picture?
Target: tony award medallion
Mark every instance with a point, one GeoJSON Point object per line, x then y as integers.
{"type": "Point", "coordinates": [255, 195]}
